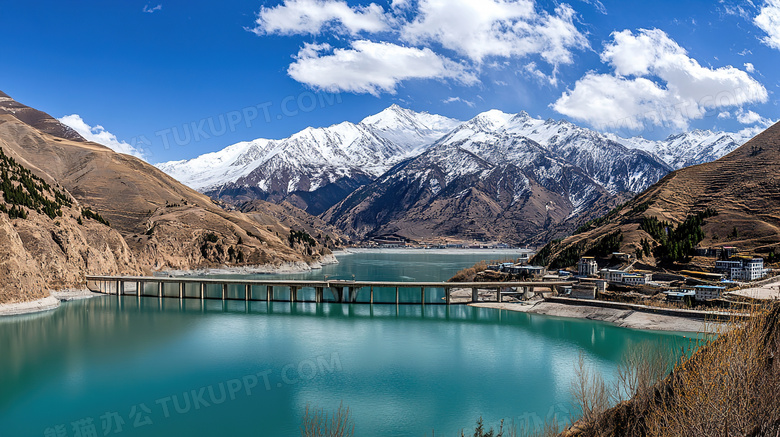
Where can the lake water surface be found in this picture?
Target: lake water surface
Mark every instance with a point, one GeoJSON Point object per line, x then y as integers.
{"type": "Point", "coordinates": [165, 367]}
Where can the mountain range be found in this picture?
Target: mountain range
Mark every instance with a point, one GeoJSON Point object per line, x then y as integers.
{"type": "Point", "coordinates": [498, 176]}
{"type": "Point", "coordinates": [736, 197]}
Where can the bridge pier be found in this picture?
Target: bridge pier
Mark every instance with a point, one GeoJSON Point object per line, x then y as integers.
{"type": "Point", "coordinates": [475, 295]}
{"type": "Point", "coordinates": [294, 294]}
{"type": "Point", "coordinates": [318, 294]}
{"type": "Point", "coordinates": [353, 292]}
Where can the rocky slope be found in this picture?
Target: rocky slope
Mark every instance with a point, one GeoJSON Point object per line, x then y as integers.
{"type": "Point", "coordinates": [155, 221]}
{"type": "Point", "coordinates": [37, 119]}
{"type": "Point", "coordinates": [46, 241]}
{"type": "Point", "coordinates": [742, 188]}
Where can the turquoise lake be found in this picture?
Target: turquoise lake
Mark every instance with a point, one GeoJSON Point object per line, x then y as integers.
{"type": "Point", "coordinates": [164, 367]}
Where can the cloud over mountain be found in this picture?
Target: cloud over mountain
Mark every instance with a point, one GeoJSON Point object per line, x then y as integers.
{"type": "Point", "coordinates": [655, 82]}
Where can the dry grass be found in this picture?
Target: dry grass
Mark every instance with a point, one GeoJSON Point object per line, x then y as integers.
{"type": "Point", "coordinates": [728, 387]}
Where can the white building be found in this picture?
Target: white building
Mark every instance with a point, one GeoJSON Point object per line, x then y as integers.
{"type": "Point", "coordinates": [636, 278]}
{"type": "Point", "coordinates": [612, 275]}
{"type": "Point", "coordinates": [708, 292]}
{"type": "Point", "coordinates": [587, 266]}
{"type": "Point", "coordinates": [744, 268]}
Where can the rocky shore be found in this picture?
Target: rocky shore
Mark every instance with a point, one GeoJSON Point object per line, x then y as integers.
{"type": "Point", "coordinates": [623, 318]}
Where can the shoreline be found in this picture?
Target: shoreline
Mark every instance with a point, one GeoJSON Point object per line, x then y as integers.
{"type": "Point", "coordinates": [263, 269]}
{"type": "Point", "coordinates": [55, 298]}
{"type": "Point", "coordinates": [49, 303]}
{"type": "Point", "coordinates": [619, 317]}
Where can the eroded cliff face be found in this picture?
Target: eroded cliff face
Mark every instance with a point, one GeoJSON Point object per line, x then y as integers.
{"type": "Point", "coordinates": [38, 254]}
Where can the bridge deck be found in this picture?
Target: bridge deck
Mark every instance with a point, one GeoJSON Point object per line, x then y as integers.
{"type": "Point", "coordinates": [343, 291]}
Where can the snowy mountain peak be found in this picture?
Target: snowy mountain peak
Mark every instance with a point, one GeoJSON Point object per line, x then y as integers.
{"type": "Point", "coordinates": [492, 120]}
{"type": "Point", "coordinates": [409, 129]}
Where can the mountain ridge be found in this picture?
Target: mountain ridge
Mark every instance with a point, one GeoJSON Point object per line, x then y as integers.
{"type": "Point", "coordinates": [746, 204]}
{"type": "Point", "coordinates": [281, 170]}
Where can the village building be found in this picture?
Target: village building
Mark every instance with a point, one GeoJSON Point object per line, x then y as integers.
{"type": "Point", "coordinates": [637, 278]}
{"type": "Point", "coordinates": [742, 268]}
{"type": "Point", "coordinates": [620, 256]}
{"type": "Point", "coordinates": [708, 292]}
{"type": "Point", "coordinates": [612, 276]}
{"type": "Point", "coordinates": [587, 266]}
{"type": "Point", "coordinates": [680, 296]}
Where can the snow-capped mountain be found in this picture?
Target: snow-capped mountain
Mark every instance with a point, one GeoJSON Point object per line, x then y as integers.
{"type": "Point", "coordinates": [451, 191]}
{"type": "Point", "coordinates": [313, 158]}
{"type": "Point", "coordinates": [689, 148]}
{"type": "Point", "coordinates": [614, 166]}
{"type": "Point", "coordinates": [318, 167]}
{"type": "Point", "coordinates": [514, 178]}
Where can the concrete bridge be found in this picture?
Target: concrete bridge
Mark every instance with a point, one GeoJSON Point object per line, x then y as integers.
{"type": "Point", "coordinates": [264, 290]}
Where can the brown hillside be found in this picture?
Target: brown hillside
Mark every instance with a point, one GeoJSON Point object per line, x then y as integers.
{"type": "Point", "coordinates": [743, 187]}
{"type": "Point", "coordinates": [37, 119]}
{"type": "Point", "coordinates": [156, 222]}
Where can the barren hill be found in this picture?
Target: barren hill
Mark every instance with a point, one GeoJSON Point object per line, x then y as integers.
{"type": "Point", "coordinates": [743, 188]}
{"type": "Point", "coordinates": [163, 223]}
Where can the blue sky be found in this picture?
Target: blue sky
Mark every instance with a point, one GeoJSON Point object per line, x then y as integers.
{"type": "Point", "coordinates": [175, 79]}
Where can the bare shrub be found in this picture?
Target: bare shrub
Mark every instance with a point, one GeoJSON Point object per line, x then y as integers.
{"type": "Point", "coordinates": [640, 368]}
{"type": "Point", "coordinates": [589, 390]}
{"type": "Point", "coordinates": [316, 423]}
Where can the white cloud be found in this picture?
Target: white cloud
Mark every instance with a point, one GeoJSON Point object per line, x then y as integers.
{"type": "Point", "coordinates": [479, 29]}
{"type": "Point", "coordinates": [467, 35]}
{"type": "Point", "coordinates": [400, 4]}
{"type": "Point", "coordinates": [750, 68]}
{"type": "Point", "coordinates": [149, 10]}
{"type": "Point", "coordinates": [458, 99]}
{"type": "Point", "coordinates": [768, 20]}
{"type": "Point", "coordinates": [100, 135]}
{"type": "Point", "coordinates": [724, 115]}
{"type": "Point", "coordinates": [596, 4]}
{"type": "Point", "coordinates": [655, 82]}
{"type": "Point", "coordinates": [311, 16]}
{"type": "Point", "coordinates": [532, 70]}
{"type": "Point", "coordinates": [369, 67]}
{"type": "Point", "coordinates": [750, 117]}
